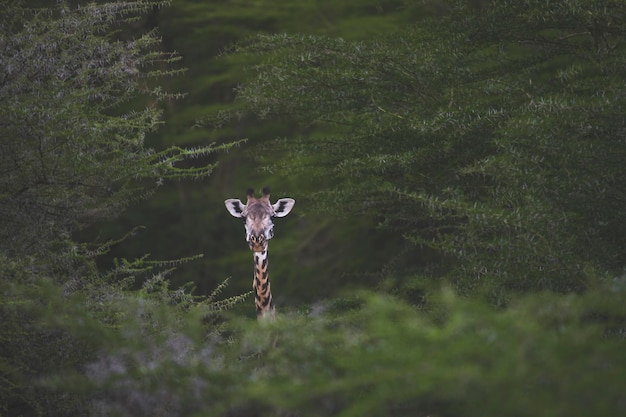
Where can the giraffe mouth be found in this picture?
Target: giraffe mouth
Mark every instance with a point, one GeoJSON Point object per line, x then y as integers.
{"type": "Point", "coordinates": [257, 247]}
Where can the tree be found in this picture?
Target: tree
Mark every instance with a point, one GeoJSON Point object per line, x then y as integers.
{"type": "Point", "coordinates": [71, 155]}
{"type": "Point", "coordinates": [202, 32]}
{"type": "Point", "coordinates": [77, 101]}
{"type": "Point", "coordinates": [492, 133]}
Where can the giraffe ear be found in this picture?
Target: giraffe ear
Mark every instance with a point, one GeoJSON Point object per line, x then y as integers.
{"type": "Point", "coordinates": [234, 207]}
{"type": "Point", "coordinates": [283, 206]}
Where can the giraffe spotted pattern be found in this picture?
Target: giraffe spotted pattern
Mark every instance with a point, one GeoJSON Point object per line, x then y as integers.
{"type": "Point", "coordinates": [258, 214]}
{"type": "Point", "coordinates": [261, 285]}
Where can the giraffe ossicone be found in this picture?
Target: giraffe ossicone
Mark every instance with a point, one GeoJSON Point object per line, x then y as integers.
{"type": "Point", "coordinates": [258, 214]}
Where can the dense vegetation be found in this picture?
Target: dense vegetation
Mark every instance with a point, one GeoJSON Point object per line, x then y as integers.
{"type": "Point", "coordinates": [465, 160]}
{"type": "Point", "coordinates": [498, 141]}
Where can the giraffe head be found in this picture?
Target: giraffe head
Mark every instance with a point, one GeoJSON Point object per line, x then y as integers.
{"type": "Point", "coordinates": [258, 214]}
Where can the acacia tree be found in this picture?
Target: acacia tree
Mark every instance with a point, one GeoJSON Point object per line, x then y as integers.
{"type": "Point", "coordinates": [492, 132]}
{"type": "Point", "coordinates": [73, 146]}
{"type": "Point", "coordinates": [79, 98]}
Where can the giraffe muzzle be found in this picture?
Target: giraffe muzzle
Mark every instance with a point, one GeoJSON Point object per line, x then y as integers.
{"type": "Point", "coordinates": [257, 243]}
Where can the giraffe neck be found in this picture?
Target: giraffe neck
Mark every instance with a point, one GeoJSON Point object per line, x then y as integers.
{"type": "Point", "coordinates": [261, 285]}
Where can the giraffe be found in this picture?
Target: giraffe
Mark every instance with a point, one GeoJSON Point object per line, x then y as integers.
{"type": "Point", "coordinates": [258, 213]}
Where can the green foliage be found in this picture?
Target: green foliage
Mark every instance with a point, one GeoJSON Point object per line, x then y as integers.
{"type": "Point", "coordinates": [71, 155]}
{"type": "Point", "coordinates": [493, 137]}
{"type": "Point", "coordinates": [546, 355]}
{"type": "Point", "coordinates": [72, 152]}
{"type": "Point", "coordinates": [30, 349]}
{"type": "Point", "coordinates": [203, 33]}
{"type": "Point", "coordinates": [493, 134]}
{"type": "Point", "coordinates": [60, 351]}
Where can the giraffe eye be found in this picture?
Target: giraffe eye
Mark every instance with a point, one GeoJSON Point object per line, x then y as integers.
{"type": "Point", "coordinates": [270, 233]}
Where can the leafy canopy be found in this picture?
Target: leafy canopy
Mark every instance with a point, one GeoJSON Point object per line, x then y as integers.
{"type": "Point", "coordinates": [72, 146]}
{"type": "Point", "coordinates": [493, 133]}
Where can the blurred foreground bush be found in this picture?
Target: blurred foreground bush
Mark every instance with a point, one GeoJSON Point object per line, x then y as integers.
{"type": "Point", "coordinates": [547, 355]}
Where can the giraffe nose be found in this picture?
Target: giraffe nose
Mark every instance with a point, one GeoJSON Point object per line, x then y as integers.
{"type": "Point", "coordinates": [257, 242]}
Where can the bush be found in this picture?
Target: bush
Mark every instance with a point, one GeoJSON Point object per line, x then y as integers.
{"type": "Point", "coordinates": [546, 355]}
